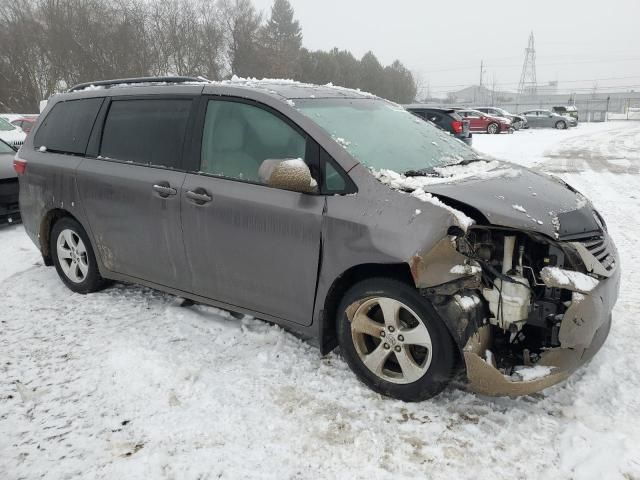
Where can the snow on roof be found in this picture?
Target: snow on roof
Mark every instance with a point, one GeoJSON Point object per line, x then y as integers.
{"type": "Point", "coordinates": [281, 87]}
{"type": "Point", "coordinates": [292, 89]}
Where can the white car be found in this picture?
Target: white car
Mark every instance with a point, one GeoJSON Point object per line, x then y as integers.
{"type": "Point", "coordinates": [11, 134]}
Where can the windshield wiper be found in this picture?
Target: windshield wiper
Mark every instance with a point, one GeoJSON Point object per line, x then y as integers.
{"type": "Point", "coordinates": [468, 161]}
{"type": "Point", "coordinates": [423, 172]}
{"type": "Point", "coordinates": [431, 172]}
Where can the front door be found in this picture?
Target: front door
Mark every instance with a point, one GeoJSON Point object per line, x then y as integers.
{"type": "Point", "coordinates": [249, 245]}
{"type": "Point", "coordinates": [131, 191]}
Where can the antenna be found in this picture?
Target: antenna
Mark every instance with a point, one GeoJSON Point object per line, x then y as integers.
{"type": "Point", "coordinates": [528, 84]}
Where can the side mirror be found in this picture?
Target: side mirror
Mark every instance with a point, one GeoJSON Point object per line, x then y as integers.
{"type": "Point", "coordinates": [288, 174]}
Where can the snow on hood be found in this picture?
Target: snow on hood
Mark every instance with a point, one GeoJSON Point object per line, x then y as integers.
{"type": "Point", "coordinates": [400, 182]}
{"type": "Point", "coordinates": [450, 174]}
{"type": "Point", "coordinates": [516, 197]}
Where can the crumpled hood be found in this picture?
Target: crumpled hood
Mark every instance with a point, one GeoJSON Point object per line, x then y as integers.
{"type": "Point", "coordinates": [522, 199]}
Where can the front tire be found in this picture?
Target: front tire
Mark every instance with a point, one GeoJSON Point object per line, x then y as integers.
{"type": "Point", "coordinates": [394, 341]}
{"type": "Point", "coordinates": [517, 125]}
{"type": "Point", "coordinates": [561, 125]}
{"type": "Point", "coordinates": [493, 128]}
{"type": "Point", "coordinates": [73, 257]}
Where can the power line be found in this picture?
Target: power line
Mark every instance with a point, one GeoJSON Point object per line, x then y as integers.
{"type": "Point", "coordinates": [603, 60]}
{"type": "Point", "coordinates": [559, 82]}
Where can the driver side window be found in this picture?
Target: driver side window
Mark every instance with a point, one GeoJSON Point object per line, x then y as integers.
{"type": "Point", "coordinates": [238, 137]}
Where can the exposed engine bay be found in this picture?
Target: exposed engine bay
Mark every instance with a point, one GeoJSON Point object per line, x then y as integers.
{"type": "Point", "coordinates": [510, 299]}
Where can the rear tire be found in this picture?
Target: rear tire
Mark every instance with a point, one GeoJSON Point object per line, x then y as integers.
{"type": "Point", "coordinates": [493, 128]}
{"type": "Point", "coordinates": [394, 341]}
{"type": "Point", "coordinates": [73, 257]}
{"type": "Point", "coordinates": [561, 125]}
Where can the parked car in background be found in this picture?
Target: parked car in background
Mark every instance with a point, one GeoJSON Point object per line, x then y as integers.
{"type": "Point", "coordinates": [481, 122]}
{"type": "Point", "coordinates": [445, 118]}
{"type": "Point", "coordinates": [567, 110]}
{"type": "Point", "coordinates": [517, 121]}
{"type": "Point", "coordinates": [9, 208]}
{"type": "Point", "coordinates": [25, 123]}
{"type": "Point", "coordinates": [548, 119]}
{"type": "Point", "coordinates": [330, 212]}
{"type": "Point", "coordinates": [11, 134]}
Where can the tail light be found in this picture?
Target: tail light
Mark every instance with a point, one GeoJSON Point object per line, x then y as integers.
{"type": "Point", "coordinates": [20, 166]}
{"type": "Point", "coordinates": [456, 125]}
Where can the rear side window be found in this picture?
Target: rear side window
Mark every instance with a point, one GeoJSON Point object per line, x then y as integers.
{"type": "Point", "coordinates": [67, 127]}
{"type": "Point", "coordinates": [150, 132]}
{"type": "Point", "coordinates": [455, 116]}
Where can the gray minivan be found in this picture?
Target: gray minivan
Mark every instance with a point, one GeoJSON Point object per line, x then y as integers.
{"type": "Point", "coordinates": [331, 212]}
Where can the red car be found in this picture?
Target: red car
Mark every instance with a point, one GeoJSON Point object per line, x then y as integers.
{"type": "Point", "coordinates": [481, 122]}
{"type": "Point", "coordinates": [25, 123]}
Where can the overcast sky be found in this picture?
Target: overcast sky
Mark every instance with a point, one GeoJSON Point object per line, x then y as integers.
{"type": "Point", "coordinates": [578, 42]}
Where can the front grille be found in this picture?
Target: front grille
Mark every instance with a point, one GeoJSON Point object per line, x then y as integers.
{"type": "Point", "coordinates": [17, 143]}
{"type": "Point", "coordinates": [600, 247]}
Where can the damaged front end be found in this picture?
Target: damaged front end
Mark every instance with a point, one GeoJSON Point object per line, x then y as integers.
{"type": "Point", "coordinates": [526, 311]}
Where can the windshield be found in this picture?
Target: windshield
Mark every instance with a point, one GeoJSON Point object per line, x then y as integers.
{"type": "Point", "coordinates": [382, 135]}
{"type": "Point", "coordinates": [6, 126]}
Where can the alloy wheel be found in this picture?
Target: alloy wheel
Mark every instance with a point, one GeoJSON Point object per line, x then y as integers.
{"type": "Point", "coordinates": [391, 340]}
{"type": "Point", "coordinates": [72, 255]}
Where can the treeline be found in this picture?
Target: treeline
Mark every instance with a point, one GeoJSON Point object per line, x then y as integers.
{"type": "Point", "coordinates": [46, 46]}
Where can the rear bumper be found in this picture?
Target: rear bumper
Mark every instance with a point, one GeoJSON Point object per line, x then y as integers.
{"type": "Point", "coordinates": [584, 329]}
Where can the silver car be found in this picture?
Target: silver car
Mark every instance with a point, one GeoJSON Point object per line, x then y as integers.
{"type": "Point", "coordinates": [548, 119]}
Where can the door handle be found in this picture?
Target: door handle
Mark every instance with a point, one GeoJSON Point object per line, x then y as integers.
{"type": "Point", "coordinates": [199, 196]}
{"type": "Point", "coordinates": [165, 190]}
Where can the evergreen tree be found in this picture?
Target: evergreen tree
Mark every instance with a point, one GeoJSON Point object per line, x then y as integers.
{"type": "Point", "coordinates": [400, 85]}
{"type": "Point", "coordinates": [243, 25]}
{"type": "Point", "coordinates": [371, 75]}
{"type": "Point", "coordinates": [282, 42]}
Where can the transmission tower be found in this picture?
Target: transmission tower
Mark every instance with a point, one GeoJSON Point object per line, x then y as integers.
{"type": "Point", "coordinates": [528, 84]}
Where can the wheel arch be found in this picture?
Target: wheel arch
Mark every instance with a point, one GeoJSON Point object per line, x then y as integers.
{"type": "Point", "coordinates": [342, 283]}
{"type": "Point", "coordinates": [46, 226]}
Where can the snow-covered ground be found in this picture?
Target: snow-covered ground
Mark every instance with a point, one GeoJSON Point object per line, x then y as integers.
{"type": "Point", "coordinates": [127, 384]}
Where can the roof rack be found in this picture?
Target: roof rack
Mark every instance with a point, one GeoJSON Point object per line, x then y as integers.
{"type": "Point", "coordinates": [120, 81]}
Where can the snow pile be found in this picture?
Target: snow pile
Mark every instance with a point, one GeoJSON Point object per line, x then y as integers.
{"type": "Point", "coordinates": [465, 270]}
{"type": "Point", "coordinates": [530, 373]}
{"type": "Point", "coordinates": [558, 277]}
{"type": "Point", "coordinates": [519, 208]}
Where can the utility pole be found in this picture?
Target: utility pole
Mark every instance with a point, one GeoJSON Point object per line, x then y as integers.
{"type": "Point", "coordinates": [479, 92]}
